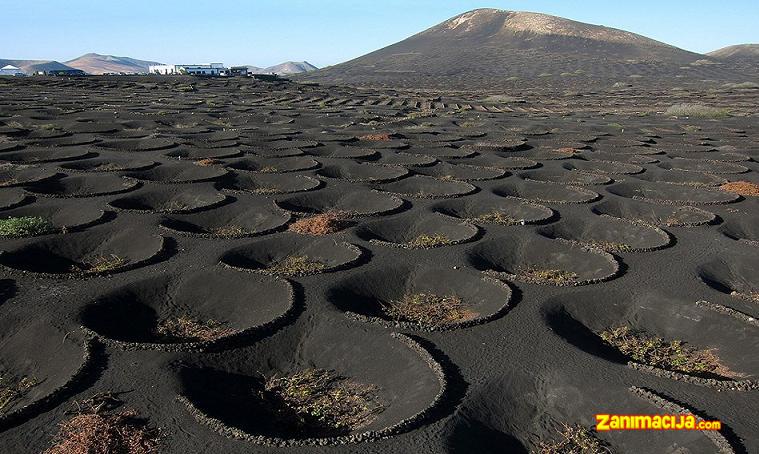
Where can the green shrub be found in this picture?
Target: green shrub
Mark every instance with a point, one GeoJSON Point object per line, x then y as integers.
{"type": "Point", "coordinates": [24, 226]}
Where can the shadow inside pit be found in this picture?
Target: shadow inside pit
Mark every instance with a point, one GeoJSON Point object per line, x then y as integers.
{"type": "Point", "coordinates": [471, 436]}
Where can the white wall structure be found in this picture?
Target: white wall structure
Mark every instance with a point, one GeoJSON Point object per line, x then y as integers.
{"type": "Point", "coordinates": [209, 69]}
{"type": "Point", "coordinates": [11, 70]}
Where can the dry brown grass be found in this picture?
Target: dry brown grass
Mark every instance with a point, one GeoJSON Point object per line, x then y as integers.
{"type": "Point", "coordinates": [496, 217]}
{"type": "Point", "coordinates": [320, 224]}
{"type": "Point", "coordinates": [186, 329]}
{"type": "Point", "coordinates": [295, 265]}
{"type": "Point", "coordinates": [551, 276]}
{"type": "Point", "coordinates": [100, 264]}
{"type": "Point", "coordinates": [325, 400]}
{"type": "Point", "coordinates": [94, 429]}
{"type": "Point", "coordinates": [609, 246]}
{"type": "Point", "coordinates": [207, 162]}
{"type": "Point", "coordinates": [383, 137]}
{"type": "Point", "coordinates": [429, 310]}
{"type": "Point", "coordinates": [427, 241]}
{"type": "Point", "coordinates": [744, 188]}
{"type": "Point", "coordinates": [671, 355]}
{"type": "Point", "coordinates": [574, 440]}
{"type": "Point", "coordinates": [229, 231]}
{"type": "Point", "coordinates": [11, 390]}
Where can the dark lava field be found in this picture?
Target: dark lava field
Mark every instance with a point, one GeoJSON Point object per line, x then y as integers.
{"type": "Point", "coordinates": [166, 264]}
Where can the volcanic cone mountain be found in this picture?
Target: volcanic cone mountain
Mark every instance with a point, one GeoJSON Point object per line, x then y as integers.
{"type": "Point", "coordinates": [486, 46]}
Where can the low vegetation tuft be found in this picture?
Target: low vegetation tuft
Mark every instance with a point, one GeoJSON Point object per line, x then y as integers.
{"type": "Point", "coordinates": [187, 329]}
{"type": "Point", "coordinates": [551, 276]}
{"type": "Point", "coordinates": [671, 355]}
{"type": "Point", "coordinates": [100, 264]}
{"type": "Point", "coordinates": [429, 241]}
{"type": "Point", "coordinates": [696, 111]}
{"type": "Point", "coordinates": [295, 265]}
{"type": "Point", "coordinates": [322, 399]}
{"type": "Point", "coordinates": [229, 231]}
{"type": "Point", "coordinates": [744, 188]}
{"type": "Point", "coordinates": [429, 309]}
{"type": "Point", "coordinates": [96, 429]}
{"type": "Point", "coordinates": [11, 390]}
{"type": "Point", "coordinates": [320, 224]}
{"type": "Point", "coordinates": [496, 217]}
{"type": "Point", "coordinates": [25, 226]}
{"type": "Point", "coordinates": [575, 439]}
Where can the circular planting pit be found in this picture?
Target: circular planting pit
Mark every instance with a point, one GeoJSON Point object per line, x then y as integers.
{"type": "Point", "coordinates": [20, 175]}
{"type": "Point", "coordinates": [546, 192]}
{"type": "Point", "coordinates": [700, 165]}
{"type": "Point", "coordinates": [48, 216]}
{"type": "Point", "coordinates": [744, 229]}
{"type": "Point", "coordinates": [273, 165]}
{"type": "Point", "coordinates": [392, 144]}
{"type": "Point", "coordinates": [506, 145]}
{"type": "Point", "coordinates": [273, 154]}
{"type": "Point", "coordinates": [202, 154]}
{"type": "Point", "coordinates": [347, 203]}
{"type": "Point", "coordinates": [682, 177]}
{"type": "Point", "coordinates": [406, 159]}
{"type": "Point", "coordinates": [424, 187]}
{"type": "Point", "coordinates": [659, 215]}
{"type": "Point", "coordinates": [40, 365]}
{"type": "Point", "coordinates": [292, 255]}
{"type": "Point", "coordinates": [290, 144]}
{"type": "Point", "coordinates": [539, 260]}
{"type": "Point", "coordinates": [65, 141]}
{"type": "Point", "coordinates": [462, 172]}
{"type": "Point", "coordinates": [171, 200]}
{"type": "Point", "coordinates": [421, 298]}
{"type": "Point", "coordinates": [609, 233]}
{"type": "Point", "coordinates": [110, 164]}
{"type": "Point", "coordinates": [671, 194]}
{"type": "Point", "coordinates": [242, 218]}
{"type": "Point", "coordinates": [84, 186]}
{"type": "Point", "coordinates": [40, 155]}
{"type": "Point", "coordinates": [661, 335]}
{"type": "Point", "coordinates": [344, 152]}
{"type": "Point", "coordinates": [736, 275]}
{"type": "Point", "coordinates": [506, 211]}
{"type": "Point", "coordinates": [97, 251]}
{"type": "Point", "coordinates": [569, 177]}
{"type": "Point", "coordinates": [604, 167]}
{"type": "Point", "coordinates": [12, 198]}
{"type": "Point", "coordinates": [710, 156]}
{"type": "Point", "coordinates": [362, 172]}
{"type": "Point", "coordinates": [246, 396]}
{"type": "Point", "coordinates": [549, 154]}
{"type": "Point", "coordinates": [265, 184]}
{"type": "Point", "coordinates": [603, 156]}
{"type": "Point", "coordinates": [417, 232]}
{"type": "Point", "coordinates": [443, 152]}
{"type": "Point", "coordinates": [137, 145]}
{"type": "Point", "coordinates": [188, 311]}
{"type": "Point", "coordinates": [506, 163]}
{"type": "Point", "coordinates": [177, 173]}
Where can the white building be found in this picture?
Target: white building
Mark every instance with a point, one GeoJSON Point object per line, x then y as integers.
{"type": "Point", "coordinates": [210, 69]}
{"type": "Point", "coordinates": [11, 70]}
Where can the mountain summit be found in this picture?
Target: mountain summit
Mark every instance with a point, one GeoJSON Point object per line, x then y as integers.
{"type": "Point", "coordinates": [484, 46]}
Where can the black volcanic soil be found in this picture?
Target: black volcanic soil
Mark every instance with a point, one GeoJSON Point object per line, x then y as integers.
{"type": "Point", "coordinates": [550, 219]}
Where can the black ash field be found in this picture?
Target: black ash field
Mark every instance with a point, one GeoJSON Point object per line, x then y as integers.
{"type": "Point", "coordinates": [240, 266]}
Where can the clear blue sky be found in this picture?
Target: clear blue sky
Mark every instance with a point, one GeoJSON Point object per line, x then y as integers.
{"type": "Point", "coordinates": [324, 32]}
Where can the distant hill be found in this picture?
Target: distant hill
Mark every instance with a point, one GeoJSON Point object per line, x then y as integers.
{"type": "Point", "coordinates": [32, 66]}
{"type": "Point", "coordinates": [487, 46]}
{"type": "Point", "coordinates": [100, 64]}
{"type": "Point", "coordinates": [289, 67]}
{"type": "Point", "coordinates": [737, 52]}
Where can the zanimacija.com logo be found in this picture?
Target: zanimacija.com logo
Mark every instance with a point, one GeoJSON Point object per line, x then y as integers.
{"type": "Point", "coordinates": [607, 422]}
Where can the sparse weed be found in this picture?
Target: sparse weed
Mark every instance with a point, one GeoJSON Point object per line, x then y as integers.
{"type": "Point", "coordinates": [325, 400]}
{"type": "Point", "coordinates": [12, 390]}
{"type": "Point", "coordinates": [296, 265]}
{"type": "Point", "coordinates": [429, 309]}
{"type": "Point", "coordinates": [25, 226]}
{"type": "Point", "coordinates": [696, 111]}
{"type": "Point", "coordinates": [551, 276]}
{"type": "Point", "coordinates": [575, 439]}
{"type": "Point", "coordinates": [673, 355]}
{"type": "Point", "coordinates": [184, 329]}
{"type": "Point", "coordinates": [429, 241]}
